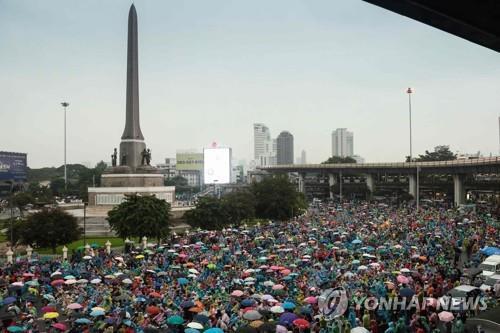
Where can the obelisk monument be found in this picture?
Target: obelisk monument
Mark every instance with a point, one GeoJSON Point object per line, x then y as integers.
{"type": "Point", "coordinates": [132, 141]}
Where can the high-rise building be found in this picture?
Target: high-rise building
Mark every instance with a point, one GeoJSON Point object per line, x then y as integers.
{"type": "Point", "coordinates": [284, 148]}
{"type": "Point", "coordinates": [342, 142]}
{"type": "Point", "coordinates": [264, 146]}
{"type": "Point", "coordinates": [303, 159]}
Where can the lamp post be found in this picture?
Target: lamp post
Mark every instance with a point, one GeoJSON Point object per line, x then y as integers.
{"type": "Point", "coordinates": [65, 106]}
{"type": "Point", "coordinates": [409, 91]}
{"type": "Point", "coordinates": [84, 223]}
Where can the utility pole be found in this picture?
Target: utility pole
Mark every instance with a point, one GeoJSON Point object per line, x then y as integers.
{"type": "Point", "coordinates": [409, 91]}
{"type": "Point", "coordinates": [65, 106]}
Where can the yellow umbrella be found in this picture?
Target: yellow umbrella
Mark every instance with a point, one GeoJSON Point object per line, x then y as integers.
{"type": "Point", "coordinates": [50, 315]}
{"type": "Point", "coordinates": [256, 323]}
{"type": "Point", "coordinates": [98, 308]}
{"type": "Point", "coordinates": [139, 256]}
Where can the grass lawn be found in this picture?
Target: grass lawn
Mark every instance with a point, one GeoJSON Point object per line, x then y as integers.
{"type": "Point", "coordinates": [115, 242]}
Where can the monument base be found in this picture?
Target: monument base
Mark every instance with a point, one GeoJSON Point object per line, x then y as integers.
{"type": "Point", "coordinates": [132, 180]}
{"type": "Point", "coordinates": [112, 196]}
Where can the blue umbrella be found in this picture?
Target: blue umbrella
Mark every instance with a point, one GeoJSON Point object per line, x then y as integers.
{"type": "Point", "coordinates": [287, 318]}
{"type": "Point", "coordinates": [187, 304]}
{"type": "Point", "coordinates": [406, 292]}
{"type": "Point", "coordinates": [248, 302]}
{"type": "Point", "coordinates": [140, 299]}
{"type": "Point", "coordinates": [191, 330]}
{"type": "Point", "coordinates": [9, 300]}
{"type": "Point", "coordinates": [356, 241]}
{"type": "Point", "coordinates": [214, 330]}
{"type": "Point", "coordinates": [15, 329]}
{"type": "Point", "coordinates": [202, 319]}
{"type": "Point", "coordinates": [182, 281]}
{"type": "Point", "coordinates": [288, 306]}
{"type": "Point", "coordinates": [127, 322]}
{"type": "Point", "coordinates": [83, 321]}
{"type": "Point", "coordinates": [97, 313]}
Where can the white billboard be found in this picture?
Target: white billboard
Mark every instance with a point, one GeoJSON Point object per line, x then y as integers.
{"type": "Point", "coordinates": [217, 165]}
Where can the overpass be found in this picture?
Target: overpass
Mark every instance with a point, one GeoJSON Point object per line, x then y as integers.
{"type": "Point", "coordinates": [459, 169]}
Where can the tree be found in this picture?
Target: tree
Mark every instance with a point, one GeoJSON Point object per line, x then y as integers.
{"type": "Point", "coordinates": [339, 159]}
{"type": "Point", "coordinates": [440, 153]}
{"type": "Point", "coordinates": [277, 198]}
{"type": "Point", "coordinates": [176, 181]}
{"type": "Point", "coordinates": [209, 214]}
{"type": "Point", "coordinates": [140, 216]}
{"type": "Point", "coordinates": [41, 194]}
{"type": "Point", "coordinates": [47, 228]}
{"type": "Point", "coordinates": [21, 200]}
{"type": "Point", "coordinates": [239, 206]}
{"type": "Point", "coordinates": [57, 186]}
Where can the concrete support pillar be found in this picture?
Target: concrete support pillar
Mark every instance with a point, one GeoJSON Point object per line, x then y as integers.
{"type": "Point", "coordinates": [65, 253]}
{"type": "Point", "coordinates": [412, 185]}
{"type": "Point", "coordinates": [370, 183]}
{"type": "Point", "coordinates": [458, 189]}
{"type": "Point", "coordinates": [302, 182]}
{"type": "Point", "coordinates": [331, 183]}
{"type": "Point", "coordinates": [9, 254]}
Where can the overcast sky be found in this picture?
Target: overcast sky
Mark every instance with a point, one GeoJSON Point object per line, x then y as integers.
{"type": "Point", "coordinates": [210, 69]}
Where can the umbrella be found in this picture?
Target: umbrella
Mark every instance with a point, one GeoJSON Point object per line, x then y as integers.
{"type": "Point", "coordinates": [195, 325]}
{"type": "Point", "coordinates": [311, 300]}
{"type": "Point", "coordinates": [74, 306]}
{"type": "Point", "coordinates": [402, 279]}
{"type": "Point", "coordinates": [252, 315]}
{"type": "Point", "coordinates": [9, 300]}
{"type": "Point", "coordinates": [191, 330]}
{"type": "Point", "coordinates": [359, 329]}
{"type": "Point", "coordinates": [95, 281]}
{"type": "Point", "coordinates": [57, 282]}
{"type": "Point", "coordinates": [127, 281]}
{"type": "Point", "coordinates": [201, 319]}
{"type": "Point", "coordinates": [46, 309]}
{"type": "Point", "coordinates": [301, 323]}
{"type": "Point", "coordinates": [268, 283]}
{"type": "Point", "coordinates": [87, 257]}
{"type": "Point", "coordinates": [356, 241]}
{"type": "Point", "coordinates": [248, 302]}
{"type": "Point", "coordinates": [187, 304]}
{"type": "Point", "coordinates": [153, 310]}
{"type": "Point", "coordinates": [288, 306]}
{"type": "Point", "coordinates": [237, 293]}
{"type": "Point", "coordinates": [445, 316]}
{"type": "Point", "coordinates": [15, 329]}
{"type": "Point", "coordinates": [406, 292]}
{"type": "Point", "coordinates": [287, 318]}
{"type": "Point", "coordinates": [182, 281]}
{"type": "Point", "coordinates": [69, 277]}
{"type": "Point", "coordinates": [97, 313]}
{"type": "Point", "coordinates": [60, 326]}
{"type": "Point", "coordinates": [256, 323]}
{"type": "Point", "coordinates": [214, 330]}
{"type": "Point", "coordinates": [84, 321]}
{"type": "Point", "coordinates": [50, 315]}
{"type": "Point", "coordinates": [175, 320]}
{"type": "Point", "coordinates": [278, 287]}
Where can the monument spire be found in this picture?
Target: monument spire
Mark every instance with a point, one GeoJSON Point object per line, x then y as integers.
{"type": "Point", "coordinates": [132, 143]}
{"type": "Point", "coordinates": [132, 125]}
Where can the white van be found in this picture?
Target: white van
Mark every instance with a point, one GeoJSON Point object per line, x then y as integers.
{"type": "Point", "coordinates": [491, 265]}
{"type": "Point", "coordinates": [490, 282]}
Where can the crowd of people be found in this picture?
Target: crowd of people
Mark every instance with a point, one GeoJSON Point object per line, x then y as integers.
{"type": "Point", "coordinates": [325, 271]}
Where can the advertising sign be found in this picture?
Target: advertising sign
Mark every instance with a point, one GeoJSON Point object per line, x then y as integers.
{"type": "Point", "coordinates": [189, 161]}
{"type": "Point", "coordinates": [13, 166]}
{"type": "Point", "coordinates": [217, 165]}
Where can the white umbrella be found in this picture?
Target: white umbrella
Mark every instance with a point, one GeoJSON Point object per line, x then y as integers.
{"type": "Point", "coordinates": [193, 271]}
{"type": "Point", "coordinates": [95, 281]}
{"type": "Point", "coordinates": [82, 281]}
{"type": "Point", "coordinates": [127, 281]}
{"type": "Point", "coordinates": [359, 329]}
{"type": "Point", "coordinates": [277, 309]}
{"type": "Point", "coordinates": [195, 325]}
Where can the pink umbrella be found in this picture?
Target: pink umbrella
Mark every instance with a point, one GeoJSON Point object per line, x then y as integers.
{"type": "Point", "coordinates": [402, 279]}
{"type": "Point", "coordinates": [278, 287]}
{"type": "Point", "coordinates": [446, 316]}
{"type": "Point", "coordinates": [60, 326]}
{"type": "Point", "coordinates": [237, 293]}
{"type": "Point", "coordinates": [281, 329]}
{"type": "Point", "coordinates": [311, 300]}
{"type": "Point", "coordinates": [74, 306]}
{"type": "Point", "coordinates": [275, 268]}
{"type": "Point", "coordinates": [285, 271]}
{"type": "Point", "coordinates": [431, 302]}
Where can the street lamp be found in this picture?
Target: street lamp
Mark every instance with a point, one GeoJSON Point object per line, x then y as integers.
{"type": "Point", "coordinates": [65, 106]}
{"type": "Point", "coordinates": [409, 91]}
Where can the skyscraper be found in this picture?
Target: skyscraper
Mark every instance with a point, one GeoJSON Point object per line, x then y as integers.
{"type": "Point", "coordinates": [342, 142]}
{"type": "Point", "coordinates": [303, 159]}
{"type": "Point", "coordinates": [264, 146]}
{"type": "Point", "coordinates": [285, 148]}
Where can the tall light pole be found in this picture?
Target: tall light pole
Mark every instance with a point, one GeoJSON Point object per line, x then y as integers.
{"type": "Point", "coordinates": [65, 106]}
{"type": "Point", "coordinates": [409, 92]}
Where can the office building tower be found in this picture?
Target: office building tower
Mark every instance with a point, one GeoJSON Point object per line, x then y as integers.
{"type": "Point", "coordinates": [284, 148]}
{"type": "Point", "coordinates": [342, 143]}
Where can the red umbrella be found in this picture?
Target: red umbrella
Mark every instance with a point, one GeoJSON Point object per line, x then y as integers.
{"type": "Point", "coordinates": [60, 326]}
{"type": "Point", "coordinates": [57, 282]}
{"type": "Point", "coordinates": [152, 310]}
{"type": "Point", "coordinates": [155, 294]}
{"type": "Point", "coordinates": [46, 309]}
{"type": "Point", "coordinates": [301, 323]}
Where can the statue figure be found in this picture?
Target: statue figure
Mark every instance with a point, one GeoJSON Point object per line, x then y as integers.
{"type": "Point", "coordinates": [124, 159]}
{"type": "Point", "coordinates": [113, 158]}
{"type": "Point", "coordinates": [143, 156]}
{"type": "Point", "coordinates": [148, 157]}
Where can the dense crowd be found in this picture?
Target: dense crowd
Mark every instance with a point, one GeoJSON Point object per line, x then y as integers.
{"type": "Point", "coordinates": [269, 277]}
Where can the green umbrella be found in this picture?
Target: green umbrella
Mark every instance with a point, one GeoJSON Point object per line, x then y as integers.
{"type": "Point", "coordinates": [175, 320]}
{"type": "Point", "coordinates": [211, 266]}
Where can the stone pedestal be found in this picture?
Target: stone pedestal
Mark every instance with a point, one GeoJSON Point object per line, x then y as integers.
{"type": "Point", "coordinates": [132, 180]}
